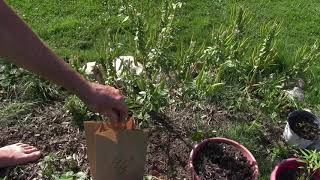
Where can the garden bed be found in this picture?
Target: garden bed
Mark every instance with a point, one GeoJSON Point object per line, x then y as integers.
{"type": "Point", "coordinates": [169, 142]}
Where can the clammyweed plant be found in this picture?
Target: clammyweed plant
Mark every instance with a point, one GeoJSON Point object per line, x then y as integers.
{"type": "Point", "coordinates": [311, 159]}
{"type": "Point", "coordinates": [148, 91]}
{"type": "Point", "coordinates": [148, 45]}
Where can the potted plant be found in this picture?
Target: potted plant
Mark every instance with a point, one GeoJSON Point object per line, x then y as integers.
{"type": "Point", "coordinates": [303, 130]}
{"type": "Point", "coordinates": [306, 167]}
{"type": "Point", "coordinates": [221, 158]}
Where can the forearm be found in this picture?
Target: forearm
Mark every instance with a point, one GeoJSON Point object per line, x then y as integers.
{"type": "Point", "coordinates": [21, 46]}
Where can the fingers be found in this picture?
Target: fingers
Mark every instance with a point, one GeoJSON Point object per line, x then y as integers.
{"type": "Point", "coordinates": [117, 92]}
{"type": "Point", "coordinates": [109, 101]}
{"type": "Point", "coordinates": [118, 113]}
{"type": "Point", "coordinates": [113, 116]}
{"type": "Point", "coordinates": [121, 109]}
{"type": "Point", "coordinates": [27, 148]}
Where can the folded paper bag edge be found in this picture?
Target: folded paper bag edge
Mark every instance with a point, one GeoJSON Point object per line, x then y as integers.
{"type": "Point", "coordinates": [92, 128]}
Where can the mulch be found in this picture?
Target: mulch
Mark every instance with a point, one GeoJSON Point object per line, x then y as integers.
{"type": "Point", "coordinates": [51, 131]}
{"type": "Point", "coordinates": [169, 143]}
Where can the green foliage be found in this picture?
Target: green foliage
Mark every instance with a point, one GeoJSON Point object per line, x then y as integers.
{"type": "Point", "coordinates": [306, 59]}
{"type": "Point", "coordinates": [16, 109]}
{"type": "Point", "coordinates": [232, 63]}
{"type": "Point", "coordinates": [312, 160]}
{"type": "Point", "coordinates": [280, 151]}
{"type": "Point", "coordinates": [16, 82]}
{"type": "Point", "coordinates": [185, 57]}
{"type": "Point", "coordinates": [78, 110]}
{"type": "Point", "coordinates": [49, 170]}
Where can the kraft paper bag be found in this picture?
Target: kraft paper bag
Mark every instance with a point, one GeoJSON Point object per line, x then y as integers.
{"type": "Point", "coordinates": [115, 152]}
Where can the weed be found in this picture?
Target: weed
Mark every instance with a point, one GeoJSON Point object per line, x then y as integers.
{"type": "Point", "coordinates": [281, 151]}
{"type": "Point", "coordinates": [312, 160]}
{"type": "Point", "coordinates": [49, 170]}
{"type": "Point", "coordinates": [78, 111]}
{"type": "Point", "coordinates": [16, 109]}
{"type": "Point", "coordinates": [18, 83]}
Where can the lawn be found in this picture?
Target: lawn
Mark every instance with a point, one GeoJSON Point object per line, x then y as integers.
{"type": "Point", "coordinates": [80, 27]}
{"type": "Point", "coordinates": [201, 93]}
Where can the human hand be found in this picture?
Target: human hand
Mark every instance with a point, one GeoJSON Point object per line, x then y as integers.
{"type": "Point", "coordinates": [107, 101]}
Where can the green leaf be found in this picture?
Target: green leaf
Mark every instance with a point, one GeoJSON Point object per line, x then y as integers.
{"type": "Point", "coordinates": [81, 175]}
{"type": "Point", "coordinates": [199, 78]}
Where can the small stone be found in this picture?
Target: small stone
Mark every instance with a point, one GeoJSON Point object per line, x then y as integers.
{"type": "Point", "coordinates": [295, 93]}
{"type": "Point", "coordinates": [89, 67]}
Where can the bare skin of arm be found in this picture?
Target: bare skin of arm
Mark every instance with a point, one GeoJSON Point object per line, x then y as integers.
{"type": "Point", "coordinates": [21, 46]}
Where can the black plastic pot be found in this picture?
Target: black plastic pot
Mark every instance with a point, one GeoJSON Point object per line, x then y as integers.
{"type": "Point", "coordinates": [293, 138]}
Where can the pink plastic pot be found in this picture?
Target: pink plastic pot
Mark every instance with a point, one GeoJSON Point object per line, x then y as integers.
{"type": "Point", "coordinates": [237, 145]}
{"type": "Point", "coordinates": [291, 163]}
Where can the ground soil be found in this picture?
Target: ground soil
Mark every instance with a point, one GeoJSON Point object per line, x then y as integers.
{"type": "Point", "coordinates": [306, 129]}
{"type": "Point", "coordinates": [169, 138]}
{"type": "Point", "coordinates": [51, 131]}
{"type": "Point", "coordinates": [221, 161]}
{"type": "Point", "coordinates": [292, 174]}
{"type": "Point", "coordinates": [287, 174]}
{"type": "Point", "coordinates": [169, 144]}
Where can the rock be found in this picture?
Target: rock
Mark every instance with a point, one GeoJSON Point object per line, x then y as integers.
{"type": "Point", "coordinates": [296, 93]}
{"type": "Point", "coordinates": [128, 62]}
{"type": "Point", "coordinates": [300, 83]}
{"type": "Point", "coordinates": [306, 109]}
{"type": "Point", "coordinates": [89, 68]}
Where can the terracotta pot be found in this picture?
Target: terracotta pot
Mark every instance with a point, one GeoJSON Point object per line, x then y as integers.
{"type": "Point", "coordinates": [291, 163]}
{"type": "Point", "coordinates": [237, 145]}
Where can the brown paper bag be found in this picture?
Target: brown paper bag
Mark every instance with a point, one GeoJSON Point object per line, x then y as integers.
{"type": "Point", "coordinates": [115, 152]}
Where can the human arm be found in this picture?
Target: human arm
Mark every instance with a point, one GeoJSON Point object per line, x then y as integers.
{"type": "Point", "coordinates": [21, 46]}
